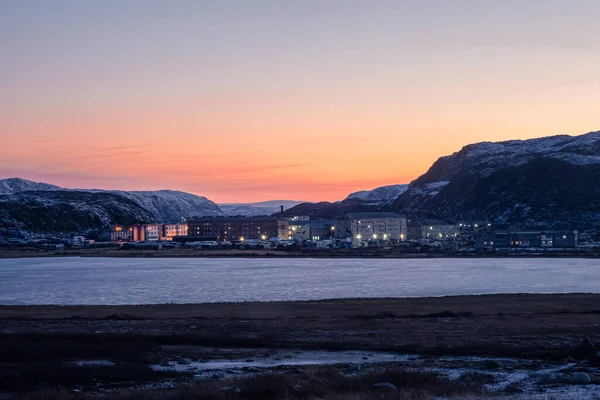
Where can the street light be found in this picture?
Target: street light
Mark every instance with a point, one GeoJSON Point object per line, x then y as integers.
{"type": "Point", "coordinates": [359, 236]}
{"type": "Point", "coordinates": [264, 237]}
{"type": "Point", "coordinates": [242, 239]}
{"type": "Point", "coordinates": [375, 236]}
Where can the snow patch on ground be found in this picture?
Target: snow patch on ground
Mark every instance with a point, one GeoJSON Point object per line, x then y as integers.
{"type": "Point", "coordinates": [535, 378]}
{"type": "Point", "coordinates": [287, 358]}
{"type": "Point", "coordinates": [94, 363]}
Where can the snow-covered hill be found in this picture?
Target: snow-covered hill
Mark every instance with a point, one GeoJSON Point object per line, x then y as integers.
{"type": "Point", "coordinates": [382, 195]}
{"type": "Point", "coordinates": [172, 206]}
{"type": "Point", "coordinates": [553, 180]}
{"type": "Point", "coordinates": [15, 185]}
{"type": "Point", "coordinates": [67, 211]}
{"type": "Point", "coordinates": [164, 205]}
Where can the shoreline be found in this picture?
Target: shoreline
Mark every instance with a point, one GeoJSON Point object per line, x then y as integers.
{"type": "Point", "coordinates": [316, 254]}
{"type": "Point", "coordinates": [409, 307]}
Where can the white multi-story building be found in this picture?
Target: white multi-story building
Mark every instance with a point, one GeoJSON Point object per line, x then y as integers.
{"type": "Point", "coordinates": [172, 230]}
{"type": "Point", "coordinates": [372, 226]}
{"type": "Point", "coordinates": [152, 232]}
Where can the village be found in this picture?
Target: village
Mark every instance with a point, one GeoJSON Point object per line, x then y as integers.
{"type": "Point", "coordinates": [371, 230]}
{"type": "Point", "coordinates": [352, 231]}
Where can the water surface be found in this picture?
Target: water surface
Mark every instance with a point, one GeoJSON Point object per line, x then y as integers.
{"type": "Point", "coordinates": [197, 280]}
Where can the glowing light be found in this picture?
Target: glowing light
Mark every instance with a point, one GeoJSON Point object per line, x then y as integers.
{"type": "Point", "coordinates": [264, 237]}
{"type": "Point", "coordinates": [359, 236]}
{"type": "Point", "coordinates": [375, 236]}
{"type": "Point", "coordinates": [242, 239]}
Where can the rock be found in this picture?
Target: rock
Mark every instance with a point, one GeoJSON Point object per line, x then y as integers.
{"type": "Point", "coordinates": [587, 347]}
{"type": "Point", "coordinates": [580, 378]}
{"type": "Point", "coordinates": [387, 385]}
{"type": "Point", "coordinates": [491, 364]}
{"type": "Point", "coordinates": [595, 359]}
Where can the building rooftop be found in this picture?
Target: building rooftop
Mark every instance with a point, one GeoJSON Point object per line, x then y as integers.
{"type": "Point", "coordinates": [373, 215]}
{"type": "Point", "coordinates": [317, 223]}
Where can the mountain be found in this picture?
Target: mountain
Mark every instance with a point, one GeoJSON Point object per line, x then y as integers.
{"type": "Point", "coordinates": [164, 205]}
{"type": "Point", "coordinates": [66, 211]}
{"type": "Point", "coordinates": [551, 181]}
{"type": "Point", "coordinates": [330, 210]}
{"type": "Point", "coordinates": [382, 195]}
{"type": "Point", "coordinates": [363, 201]}
{"type": "Point", "coordinates": [260, 208]}
{"type": "Point", "coordinates": [15, 185]}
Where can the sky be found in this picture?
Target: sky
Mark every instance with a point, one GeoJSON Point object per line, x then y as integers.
{"type": "Point", "coordinates": [244, 101]}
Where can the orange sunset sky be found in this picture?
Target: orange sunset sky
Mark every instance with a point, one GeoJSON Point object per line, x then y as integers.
{"type": "Point", "coordinates": [311, 100]}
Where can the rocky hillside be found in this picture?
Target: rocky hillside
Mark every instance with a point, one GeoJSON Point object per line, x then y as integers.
{"type": "Point", "coordinates": [66, 211]}
{"type": "Point", "coordinates": [260, 208]}
{"type": "Point", "coordinates": [330, 210]}
{"type": "Point", "coordinates": [381, 195]}
{"type": "Point", "coordinates": [553, 181]}
{"type": "Point", "coordinates": [363, 201]}
{"type": "Point", "coordinates": [15, 185]}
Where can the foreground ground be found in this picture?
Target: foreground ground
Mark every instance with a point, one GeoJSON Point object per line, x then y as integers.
{"type": "Point", "coordinates": [517, 346]}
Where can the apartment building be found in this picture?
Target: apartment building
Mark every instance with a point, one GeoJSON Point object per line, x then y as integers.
{"type": "Point", "coordinates": [240, 228]}
{"type": "Point", "coordinates": [372, 226]}
{"type": "Point", "coordinates": [432, 229]}
{"type": "Point", "coordinates": [527, 239]}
